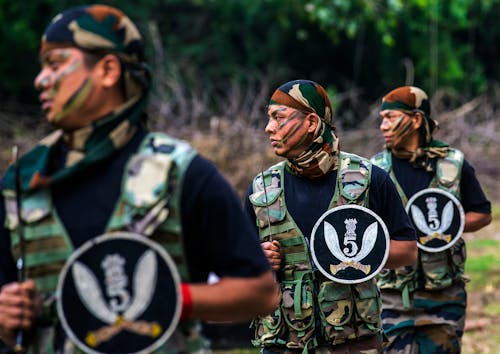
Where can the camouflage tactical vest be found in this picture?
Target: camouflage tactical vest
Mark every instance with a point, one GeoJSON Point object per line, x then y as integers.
{"type": "Point", "coordinates": [433, 271]}
{"type": "Point", "coordinates": [149, 204]}
{"type": "Point", "coordinates": [313, 310]}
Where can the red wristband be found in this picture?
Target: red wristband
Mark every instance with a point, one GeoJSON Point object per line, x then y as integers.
{"type": "Point", "coordinates": [186, 300]}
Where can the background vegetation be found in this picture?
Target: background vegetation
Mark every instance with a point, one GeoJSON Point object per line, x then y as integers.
{"type": "Point", "coordinates": [217, 62]}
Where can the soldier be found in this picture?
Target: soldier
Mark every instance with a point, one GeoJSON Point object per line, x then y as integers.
{"type": "Point", "coordinates": [424, 304]}
{"type": "Point", "coordinates": [289, 200]}
{"type": "Point", "coordinates": [101, 171]}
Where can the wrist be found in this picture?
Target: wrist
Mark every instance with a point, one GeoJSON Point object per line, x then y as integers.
{"type": "Point", "coordinates": [186, 301]}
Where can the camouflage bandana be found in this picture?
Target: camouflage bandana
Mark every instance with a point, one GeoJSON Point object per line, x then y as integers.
{"type": "Point", "coordinates": [87, 146]}
{"type": "Point", "coordinates": [309, 97]}
{"type": "Point", "coordinates": [101, 29]}
{"type": "Point", "coordinates": [410, 99]}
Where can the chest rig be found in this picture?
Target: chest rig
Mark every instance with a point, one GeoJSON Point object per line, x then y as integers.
{"type": "Point", "coordinates": [313, 311]}
{"type": "Point", "coordinates": [149, 204]}
{"type": "Point", "coordinates": [433, 271]}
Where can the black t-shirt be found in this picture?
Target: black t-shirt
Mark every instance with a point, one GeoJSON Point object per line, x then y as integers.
{"type": "Point", "coordinates": [217, 235]}
{"type": "Point", "coordinates": [308, 199]}
{"type": "Point", "coordinates": [413, 180]}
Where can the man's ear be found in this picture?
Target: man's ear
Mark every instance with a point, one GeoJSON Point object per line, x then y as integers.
{"type": "Point", "coordinates": [110, 70]}
{"type": "Point", "coordinates": [312, 119]}
{"type": "Point", "coordinates": [418, 120]}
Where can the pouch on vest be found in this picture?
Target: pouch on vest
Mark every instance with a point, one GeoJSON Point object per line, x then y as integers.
{"type": "Point", "coordinates": [146, 190]}
{"type": "Point", "coordinates": [367, 302]}
{"type": "Point", "coordinates": [269, 330]}
{"type": "Point", "coordinates": [298, 311]}
{"type": "Point", "coordinates": [267, 199]}
{"type": "Point", "coordinates": [335, 302]}
{"type": "Point", "coordinates": [449, 170]}
{"type": "Point", "coordinates": [35, 207]}
{"type": "Point", "coordinates": [443, 268]}
{"type": "Point", "coordinates": [355, 177]}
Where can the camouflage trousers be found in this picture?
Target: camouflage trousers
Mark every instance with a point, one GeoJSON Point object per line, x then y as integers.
{"type": "Point", "coordinates": [433, 324]}
{"type": "Point", "coordinates": [371, 345]}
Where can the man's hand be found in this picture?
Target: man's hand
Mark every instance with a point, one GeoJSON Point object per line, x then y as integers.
{"type": "Point", "coordinates": [19, 306]}
{"type": "Point", "coordinates": [272, 250]}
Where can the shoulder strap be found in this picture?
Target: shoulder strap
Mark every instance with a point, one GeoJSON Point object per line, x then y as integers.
{"type": "Point", "coordinates": [382, 160]}
{"type": "Point", "coordinates": [449, 171]}
{"type": "Point", "coordinates": [353, 179]}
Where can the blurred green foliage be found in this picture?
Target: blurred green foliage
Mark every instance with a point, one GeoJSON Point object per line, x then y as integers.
{"type": "Point", "coordinates": [483, 264]}
{"type": "Point", "coordinates": [366, 45]}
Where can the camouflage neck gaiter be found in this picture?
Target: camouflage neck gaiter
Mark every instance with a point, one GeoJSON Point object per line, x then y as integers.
{"type": "Point", "coordinates": [39, 168]}
{"type": "Point", "coordinates": [322, 155]}
{"type": "Point", "coordinates": [421, 158]}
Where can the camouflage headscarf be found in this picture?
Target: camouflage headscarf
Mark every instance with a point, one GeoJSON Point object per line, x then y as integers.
{"type": "Point", "coordinates": [309, 97]}
{"type": "Point", "coordinates": [410, 99]}
{"type": "Point", "coordinates": [94, 29]}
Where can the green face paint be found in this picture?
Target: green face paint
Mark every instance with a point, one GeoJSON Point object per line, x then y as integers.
{"type": "Point", "coordinates": [400, 129]}
{"type": "Point", "coordinates": [75, 101]}
{"type": "Point", "coordinates": [61, 80]}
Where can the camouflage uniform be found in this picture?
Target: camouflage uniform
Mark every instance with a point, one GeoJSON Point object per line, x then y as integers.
{"type": "Point", "coordinates": [315, 313]}
{"type": "Point", "coordinates": [285, 201]}
{"type": "Point", "coordinates": [137, 210]}
{"type": "Point", "coordinates": [113, 175]}
{"type": "Point", "coordinates": [424, 305]}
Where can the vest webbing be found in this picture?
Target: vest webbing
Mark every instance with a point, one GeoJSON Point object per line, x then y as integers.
{"type": "Point", "coordinates": [408, 279]}
{"type": "Point", "coordinates": [148, 204]}
{"type": "Point", "coordinates": [314, 311]}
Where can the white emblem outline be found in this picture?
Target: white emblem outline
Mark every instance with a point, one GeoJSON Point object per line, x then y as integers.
{"type": "Point", "coordinates": [351, 261]}
{"type": "Point", "coordinates": [418, 220]}
{"type": "Point", "coordinates": [132, 311]}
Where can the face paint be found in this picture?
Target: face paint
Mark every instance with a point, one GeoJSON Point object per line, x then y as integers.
{"type": "Point", "coordinates": [65, 84]}
{"type": "Point", "coordinates": [77, 98]}
{"type": "Point", "coordinates": [396, 129]}
{"type": "Point", "coordinates": [287, 131]}
{"type": "Point", "coordinates": [75, 101]}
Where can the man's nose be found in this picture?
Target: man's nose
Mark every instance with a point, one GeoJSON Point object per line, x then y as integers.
{"type": "Point", "coordinates": [42, 80]}
{"type": "Point", "coordinates": [385, 124]}
{"type": "Point", "coordinates": [271, 127]}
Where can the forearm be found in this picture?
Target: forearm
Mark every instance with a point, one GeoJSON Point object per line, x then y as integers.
{"type": "Point", "coordinates": [234, 299]}
{"type": "Point", "coordinates": [401, 253]}
{"type": "Point", "coordinates": [475, 221]}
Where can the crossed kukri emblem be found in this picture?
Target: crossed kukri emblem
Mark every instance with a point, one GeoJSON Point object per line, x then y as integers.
{"type": "Point", "coordinates": [119, 316]}
{"type": "Point", "coordinates": [349, 257]}
{"type": "Point", "coordinates": [434, 229]}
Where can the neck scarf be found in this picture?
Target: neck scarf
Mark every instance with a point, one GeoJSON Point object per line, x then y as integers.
{"type": "Point", "coordinates": [87, 146]}
{"type": "Point", "coordinates": [421, 158]}
{"type": "Point", "coordinates": [322, 155]}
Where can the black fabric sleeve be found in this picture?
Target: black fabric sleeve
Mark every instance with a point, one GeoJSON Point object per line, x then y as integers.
{"type": "Point", "coordinates": [218, 236]}
{"type": "Point", "coordinates": [386, 202]}
{"type": "Point", "coordinates": [471, 194]}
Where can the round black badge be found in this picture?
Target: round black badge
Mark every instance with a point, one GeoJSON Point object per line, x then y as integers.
{"type": "Point", "coordinates": [438, 218]}
{"type": "Point", "coordinates": [350, 244]}
{"type": "Point", "coordinates": [119, 293]}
